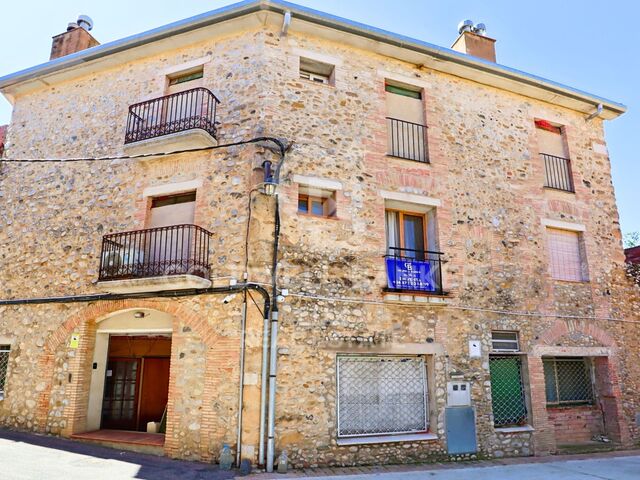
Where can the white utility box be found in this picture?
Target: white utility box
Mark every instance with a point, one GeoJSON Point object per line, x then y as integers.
{"type": "Point", "coordinates": [458, 394]}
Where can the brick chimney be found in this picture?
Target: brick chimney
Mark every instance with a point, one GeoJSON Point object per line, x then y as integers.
{"type": "Point", "coordinates": [473, 41]}
{"type": "Point", "coordinates": [75, 39]}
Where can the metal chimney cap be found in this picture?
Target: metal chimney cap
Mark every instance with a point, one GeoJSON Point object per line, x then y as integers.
{"type": "Point", "coordinates": [480, 29]}
{"type": "Point", "coordinates": [465, 26]}
{"type": "Point", "coordinates": [85, 22]}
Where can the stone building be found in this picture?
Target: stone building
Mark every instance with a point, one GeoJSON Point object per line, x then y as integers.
{"type": "Point", "coordinates": [449, 274]}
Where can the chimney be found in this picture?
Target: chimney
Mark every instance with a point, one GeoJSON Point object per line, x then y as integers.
{"type": "Point", "coordinates": [473, 40]}
{"type": "Point", "coordinates": [76, 38]}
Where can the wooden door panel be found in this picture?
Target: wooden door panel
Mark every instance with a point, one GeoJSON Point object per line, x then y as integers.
{"type": "Point", "coordinates": [154, 390]}
{"type": "Point", "coordinates": [119, 406]}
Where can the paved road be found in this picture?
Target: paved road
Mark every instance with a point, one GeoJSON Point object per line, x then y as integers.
{"type": "Point", "coordinates": [25, 456]}
{"type": "Point", "coordinates": [34, 457]}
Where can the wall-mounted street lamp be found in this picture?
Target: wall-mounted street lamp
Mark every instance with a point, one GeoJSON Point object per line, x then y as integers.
{"type": "Point", "coordinates": [269, 185]}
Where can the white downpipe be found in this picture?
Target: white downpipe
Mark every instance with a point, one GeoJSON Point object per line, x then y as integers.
{"type": "Point", "coordinates": [243, 324]}
{"type": "Point", "coordinates": [273, 363]}
{"type": "Point", "coordinates": [263, 388]}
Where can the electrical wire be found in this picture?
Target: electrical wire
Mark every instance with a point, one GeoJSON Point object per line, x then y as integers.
{"type": "Point", "coordinates": [278, 142]}
{"type": "Point", "coordinates": [387, 303]}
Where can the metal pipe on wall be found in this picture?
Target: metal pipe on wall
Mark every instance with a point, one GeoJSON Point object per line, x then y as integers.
{"type": "Point", "coordinates": [263, 387]}
{"type": "Point", "coordinates": [273, 361]}
{"type": "Point", "coordinates": [243, 323]}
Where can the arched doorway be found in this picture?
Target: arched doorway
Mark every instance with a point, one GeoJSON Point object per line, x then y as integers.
{"type": "Point", "coordinates": [129, 384]}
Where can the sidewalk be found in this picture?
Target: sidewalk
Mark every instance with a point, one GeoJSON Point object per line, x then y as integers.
{"type": "Point", "coordinates": [27, 456]}
{"type": "Point", "coordinates": [620, 465]}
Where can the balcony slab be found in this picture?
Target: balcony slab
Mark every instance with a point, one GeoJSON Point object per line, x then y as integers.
{"type": "Point", "coordinates": [186, 140]}
{"type": "Point", "coordinates": [155, 284]}
{"type": "Point", "coordinates": [414, 298]}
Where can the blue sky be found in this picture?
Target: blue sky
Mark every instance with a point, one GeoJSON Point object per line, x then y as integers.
{"type": "Point", "coordinates": [588, 44]}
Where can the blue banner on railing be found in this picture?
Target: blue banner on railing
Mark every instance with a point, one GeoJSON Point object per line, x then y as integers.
{"type": "Point", "coordinates": [409, 274]}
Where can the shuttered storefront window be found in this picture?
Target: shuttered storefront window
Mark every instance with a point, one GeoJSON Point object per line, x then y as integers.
{"type": "Point", "coordinates": [507, 391]}
{"type": "Point", "coordinates": [381, 395]}
{"type": "Point", "coordinates": [565, 255]}
{"type": "Point", "coordinates": [567, 380]}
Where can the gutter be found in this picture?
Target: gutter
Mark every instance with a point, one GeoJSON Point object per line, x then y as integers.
{"type": "Point", "coordinates": [313, 16]}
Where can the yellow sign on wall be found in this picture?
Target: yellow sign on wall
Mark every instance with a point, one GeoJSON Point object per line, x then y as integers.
{"type": "Point", "coordinates": [75, 340]}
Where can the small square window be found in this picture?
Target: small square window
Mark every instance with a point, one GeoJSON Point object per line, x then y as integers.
{"type": "Point", "coordinates": [319, 206]}
{"type": "Point", "coordinates": [505, 342]}
{"type": "Point", "coordinates": [316, 71]}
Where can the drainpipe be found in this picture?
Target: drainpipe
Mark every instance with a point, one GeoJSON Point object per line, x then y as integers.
{"type": "Point", "coordinates": [263, 385]}
{"type": "Point", "coordinates": [243, 323]}
{"type": "Point", "coordinates": [273, 349]}
{"type": "Point", "coordinates": [286, 23]}
{"type": "Point", "coordinates": [595, 114]}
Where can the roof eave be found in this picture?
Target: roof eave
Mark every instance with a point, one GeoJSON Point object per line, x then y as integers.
{"type": "Point", "coordinates": [613, 109]}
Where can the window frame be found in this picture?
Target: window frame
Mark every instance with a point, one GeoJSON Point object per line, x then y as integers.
{"type": "Point", "coordinates": [588, 377]}
{"type": "Point", "coordinates": [425, 382]}
{"type": "Point", "coordinates": [5, 349]}
{"type": "Point", "coordinates": [414, 92]}
{"type": "Point", "coordinates": [582, 256]}
{"type": "Point", "coordinates": [185, 76]}
{"type": "Point", "coordinates": [506, 350]}
{"type": "Point", "coordinates": [309, 73]}
{"type": "Point", "coordinates": [309, 199]}
{"type": "Point", "coordinates": [401, 214]}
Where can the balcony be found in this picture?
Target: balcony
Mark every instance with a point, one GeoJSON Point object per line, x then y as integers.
{"type": "Point", "coordinates": [164, 258]}
{"type": "Point", "coordinates": [179, 121]}
{"type": "Point", "coordinates": [557, 173]}
{"type": "Point", "coordinates": [407, 140]}
{"type": "Point", "coordinates": [414, 271]}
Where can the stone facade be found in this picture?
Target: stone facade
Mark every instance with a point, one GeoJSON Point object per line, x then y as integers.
{"type": "Point", "coordinates": [484, 172]}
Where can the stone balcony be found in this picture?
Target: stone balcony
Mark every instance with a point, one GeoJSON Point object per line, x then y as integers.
{"type": "Point", "coordinates": [156, 259]}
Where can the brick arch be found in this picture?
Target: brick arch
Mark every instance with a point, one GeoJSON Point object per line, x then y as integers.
{"type": "Point", "coordinates": [87, 318]}
{"type": "Point", "coordinates": [564, 327]}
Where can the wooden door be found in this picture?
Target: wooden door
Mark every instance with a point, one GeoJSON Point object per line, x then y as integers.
{"type": "Point", "coordinates": [154, 390]}
{"type": "Point", "coordinates": [120, 402]}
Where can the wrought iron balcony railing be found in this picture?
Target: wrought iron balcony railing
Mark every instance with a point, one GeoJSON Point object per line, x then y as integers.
{"type": "Point", "coordinates": [414, 270]}
{"type": "Point", "coordinates": [557, 173]}
{"type": "Point", "coordinates": [178, 112]}
{"type": "Point", "coordinates": [407, 140]}
{"type": "Point", "coordinates": [155, 252]}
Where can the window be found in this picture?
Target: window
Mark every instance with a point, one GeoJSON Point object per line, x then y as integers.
{"type": "Point", "coordinates": [381, 395]}
{"type": "Point", "coordinates": [166, 200]}
{"type": "Point", "coordinates": [405, 92]}
{"type": "Point", "coordinates": [566, 255]}
{"type": "Point", "coordinates": [507, 390]}
{"type": "Point", "coordinates": [4, 362]}
{"type": "Point", "coordinates": [186, 77]}
{"type": "Point", "coordinates": [316, 202]}
{"type": "Point", "coordinates": [412, 261]}
{"type": "Point", "coordinates": [316, 71]}
{"type": "Point", "coordinates": [552, 147]}
{"type": "Point", "coordinates": [567, 380]}
{"type": "Point", "coordinates": [406, 234]}
{"type": "Point", "coordinates": [406, 132]}
{"type": "Point", "coordinates": [505, 342]}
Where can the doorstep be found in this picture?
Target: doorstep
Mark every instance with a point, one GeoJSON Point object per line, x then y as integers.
{"type": "Point", "coordinates": [141, 442]}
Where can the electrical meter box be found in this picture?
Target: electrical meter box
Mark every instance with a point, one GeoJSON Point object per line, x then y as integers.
{"type": "Point", "coordinates": [458, 394]}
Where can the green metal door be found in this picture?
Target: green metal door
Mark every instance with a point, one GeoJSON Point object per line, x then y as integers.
{"type": "Point", "coordinates": [507, 391]}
